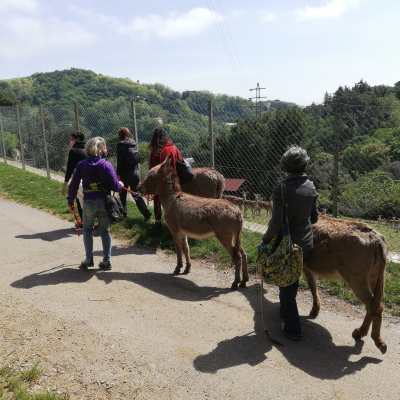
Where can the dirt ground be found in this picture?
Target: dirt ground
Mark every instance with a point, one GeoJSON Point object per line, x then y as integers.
{"type": "Point", "coordinates": [138, 332]}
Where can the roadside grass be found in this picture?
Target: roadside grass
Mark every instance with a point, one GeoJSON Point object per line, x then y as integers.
{"type": "Point", "coordinates": [43, 193]}
{"type": "Point", "coordinates": [16, 385]}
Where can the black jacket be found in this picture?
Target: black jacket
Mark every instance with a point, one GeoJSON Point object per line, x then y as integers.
{"type": "Point", "coordinates": [123, 168]}
{"type": "Point", "coordinates": [76, 154]}
{"type": "Point", "coordinates": [302, 210]}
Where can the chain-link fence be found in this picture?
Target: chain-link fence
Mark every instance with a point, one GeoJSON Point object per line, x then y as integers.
{"type": "Point", "coordinates": [355, 150]}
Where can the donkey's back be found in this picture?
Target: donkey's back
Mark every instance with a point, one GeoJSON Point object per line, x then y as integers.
{"type": "Point", "coordinates": [206, 182]}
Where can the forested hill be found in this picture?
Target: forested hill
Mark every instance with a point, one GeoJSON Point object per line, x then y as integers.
{"type": "Point", "coordinates": [88, 88]}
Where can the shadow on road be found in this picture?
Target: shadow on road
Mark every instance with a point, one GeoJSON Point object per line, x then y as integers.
{"type": "Point", "coordinates": [173, 287]}
{"type": "Point", "coordinates": [50, 236]}
{"type": "Point", "coordinates": [316, 354]}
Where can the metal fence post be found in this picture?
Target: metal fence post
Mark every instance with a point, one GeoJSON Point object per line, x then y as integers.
{"type": "Point", "coordinates": [211, 132]}
{"type": "Point", "coordinates": [336, 145]}
{"type": "Point", "coordinates": [76, 116]}
{"type": "Point", "coordinates": [135, 127]}
{"type": "Point", "coordinates": [4, 143]}
{"type": "Point", "coordinates": [45, 140]}
{"type": "Point", "coordinates": [20, 139]}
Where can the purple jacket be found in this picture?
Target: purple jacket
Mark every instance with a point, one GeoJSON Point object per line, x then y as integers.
{"type": "Point", "coordinates": [85, 170]}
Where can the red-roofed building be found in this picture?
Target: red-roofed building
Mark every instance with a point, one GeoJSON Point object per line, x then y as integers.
{"type": "Point", "coordinates": [231, 185]}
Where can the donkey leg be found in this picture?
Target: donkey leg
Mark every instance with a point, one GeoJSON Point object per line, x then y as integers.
{"type": "Point", "coordinates": [312, 284]}
{"type": "Point", "coordinates": [237, 261]}
{"type": "Point", "coordinates": [178, 248]}
{"type": "Point", "coordinates": [372, 316]}
{"type": "Point", "coordinates": [365, 296]}
{"type": "Point", "coordinates": [376, 329]}
{"type": "Point", "coordinates": [245, 273]}
{"type": "Point", "coordinates": [185, 247]}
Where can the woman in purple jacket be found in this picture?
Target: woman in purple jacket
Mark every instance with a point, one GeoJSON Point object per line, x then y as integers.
{"type": "Point", "coordinates": [92, 170]}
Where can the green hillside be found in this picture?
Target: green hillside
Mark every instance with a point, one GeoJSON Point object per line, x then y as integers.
{"type": "Point", "coordinates": [88, 88]}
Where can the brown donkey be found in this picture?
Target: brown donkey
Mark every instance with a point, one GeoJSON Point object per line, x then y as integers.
{"type": "Point", "coordinates": [356, 253]}
{"type": "Point", "coordinates": [206, 182]}
{"type": "Point", "coordinates": [197, 217]}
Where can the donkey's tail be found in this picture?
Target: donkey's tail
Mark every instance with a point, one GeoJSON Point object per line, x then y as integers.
{"type": "Point", "coordinates": [380, 260]}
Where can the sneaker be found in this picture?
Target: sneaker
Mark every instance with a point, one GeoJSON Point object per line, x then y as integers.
{"type": "Point", "coordinates": [85, 264]}
{"type": "Point", "coordinates": [289, 335]}
{"type": "Point", "coordinates": [147, 216]}
{"type": "Point", "coordinates": [156, 229]}
{"type": "Point", "coordinates": [106, 265]}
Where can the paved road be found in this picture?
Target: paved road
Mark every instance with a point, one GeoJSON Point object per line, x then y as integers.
{"type": "Point", "coordinates": [183, 337]}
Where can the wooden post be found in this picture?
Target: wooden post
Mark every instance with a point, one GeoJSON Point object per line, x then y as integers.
{"type": "Point", "coordinates": [45, 140]}
{"type": "Point", "coordinates": [4, 143]}
{"type": "Point", "coordinates": [76, 117]}
{"type": "Point", "coordinates": [336, 147]}
{"type": "Point", "coordinates": [211, 132]}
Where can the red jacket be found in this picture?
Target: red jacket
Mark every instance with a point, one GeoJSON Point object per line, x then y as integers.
{"type": "Point", "coordinates": [169, 149]}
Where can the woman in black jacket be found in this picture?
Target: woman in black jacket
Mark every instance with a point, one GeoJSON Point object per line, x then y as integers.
{"type": "Point", "coordinates": [76, 154]}
{"type": "Point", "coordinates": [302, 212]}
{"type": "Point", "coordinates": [128, 160]}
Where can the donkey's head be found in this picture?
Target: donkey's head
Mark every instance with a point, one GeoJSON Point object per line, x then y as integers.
{"type": "Point", "coordinates": [155, 177]}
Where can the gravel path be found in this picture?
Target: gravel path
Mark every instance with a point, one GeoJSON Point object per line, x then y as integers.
{"type": "Point", "coordinates": [138, 332]}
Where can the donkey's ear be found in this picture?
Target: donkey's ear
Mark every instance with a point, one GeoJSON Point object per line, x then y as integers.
{"type": "Point", "coordinates": [168, 161]}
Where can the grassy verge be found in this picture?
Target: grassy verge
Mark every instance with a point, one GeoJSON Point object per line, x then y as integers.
{"type": "Point", "coordinates": [16, 385]}
{"type": "Point", "coordinates": [43, 193]}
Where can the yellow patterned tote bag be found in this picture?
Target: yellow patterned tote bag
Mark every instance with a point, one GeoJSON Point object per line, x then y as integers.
{"type": "Point", "coordinates": [280, 262]}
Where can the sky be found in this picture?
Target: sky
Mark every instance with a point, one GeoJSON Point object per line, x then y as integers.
{"type": "Point", "coordinates": [295, 50]}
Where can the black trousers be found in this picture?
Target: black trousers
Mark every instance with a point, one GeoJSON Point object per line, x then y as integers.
{"type": "Point", "coordinates": [131, 181]}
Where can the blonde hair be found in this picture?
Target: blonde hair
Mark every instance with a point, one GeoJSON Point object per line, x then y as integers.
{"type": "Point", "coordinates": [94, 146]}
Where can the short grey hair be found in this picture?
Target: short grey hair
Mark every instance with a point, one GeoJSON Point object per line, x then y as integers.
{"type": "Point", "coordinates": [94, 146]}
{"type": "Point", "coordinates": [295, 160]}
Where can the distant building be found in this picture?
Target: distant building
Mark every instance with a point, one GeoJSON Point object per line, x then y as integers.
{"type": "Point", "coordinates": [230, 123]}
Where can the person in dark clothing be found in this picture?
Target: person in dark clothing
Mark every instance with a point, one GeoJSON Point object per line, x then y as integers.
{"type": "Point", "coordinates": [161, 148]}
{"type": "Point", "coordinates": [76, 154]}
{"type": "Point", "coordinates": [302, 212]}
{"type": "Point", "coordinates": [128, 171]}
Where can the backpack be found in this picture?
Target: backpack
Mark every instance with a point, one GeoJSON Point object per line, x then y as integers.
{"type": "Point", "coordinates": [132, 156]}
{"type": "Point", "coordinates": [114, 208]}
{"type": "Point", "coordinates": [112, 204]}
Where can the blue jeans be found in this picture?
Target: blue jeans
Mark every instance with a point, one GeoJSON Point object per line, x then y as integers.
{"type": "Point", "coordinates": [93, 209]}
{"type": "Point", "coordinates": [289, 310]}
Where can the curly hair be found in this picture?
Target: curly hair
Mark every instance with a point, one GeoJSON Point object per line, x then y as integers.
{"type": "Point", "coordinates": [158, 140]}
{"type": "Point", "coordinates": [124, 133]}
{"type": "Point", "coordinates": [295, 160]}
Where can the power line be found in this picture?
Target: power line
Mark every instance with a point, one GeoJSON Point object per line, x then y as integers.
{"type": "Point", "coordinates": [225, 43]}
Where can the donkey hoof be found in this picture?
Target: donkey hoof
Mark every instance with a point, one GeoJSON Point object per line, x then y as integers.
{"type": "Point", "coordinates": [242, 284]}
{"type": "Point", "coordinates": [356, 334]}
{"type": "Point", "coordinates": [177, 270]}
{"type": "Point", "coordinates": [313, 314]}
{"type": "Point", "coordinates": [234, 286]}
{"type": "Point", "coordinates": [382, 347]}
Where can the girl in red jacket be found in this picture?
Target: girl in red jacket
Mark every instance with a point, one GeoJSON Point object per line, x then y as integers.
{"type": "Point", "coordinates": [161, 148]}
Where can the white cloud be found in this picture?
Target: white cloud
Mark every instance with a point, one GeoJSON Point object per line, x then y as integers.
{"type": "Point", "coordinates": [269, 16]}
{"type": "Point", "coordinates": [26, 36]}
{"type": "Point", "coordinates": [332, 9]}
{"type": "Point", "coordinates": [173, 25]}
{"type": "Point", "coordinates": [19, 5]}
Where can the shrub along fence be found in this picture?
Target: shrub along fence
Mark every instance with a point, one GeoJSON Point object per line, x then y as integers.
{"type": "Point", "coordinates": [354, 150]}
